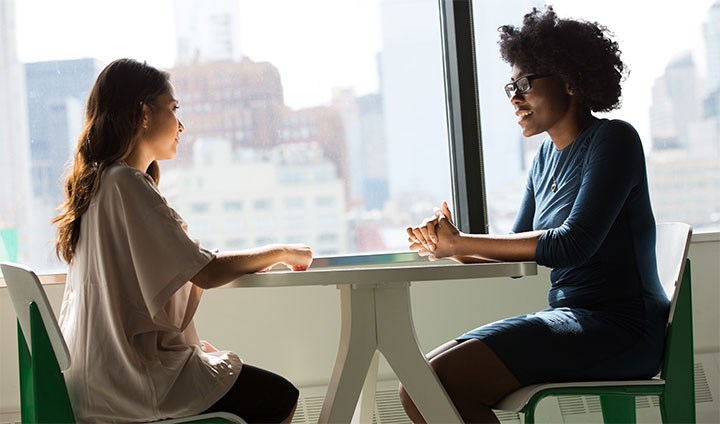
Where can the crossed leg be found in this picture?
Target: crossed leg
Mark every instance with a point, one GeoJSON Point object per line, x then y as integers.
{"type": "Point", "coordinates": [474, 378]}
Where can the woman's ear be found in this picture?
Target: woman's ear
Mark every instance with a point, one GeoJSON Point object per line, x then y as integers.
{"type": "Point", "coordinates": [146, 115]}
{"type": "Point", "coordinates": [569, 89]}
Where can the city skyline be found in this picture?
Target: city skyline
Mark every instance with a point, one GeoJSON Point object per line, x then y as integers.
{"type": "Point", "coordinates": [369, 136]}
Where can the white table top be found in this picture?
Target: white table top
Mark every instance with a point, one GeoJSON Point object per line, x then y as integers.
{"type": "Point", "coordinates": [327, 273]}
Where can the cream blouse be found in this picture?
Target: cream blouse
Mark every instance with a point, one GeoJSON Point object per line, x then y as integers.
{"type": "Point", "coordinates": [128, 307]}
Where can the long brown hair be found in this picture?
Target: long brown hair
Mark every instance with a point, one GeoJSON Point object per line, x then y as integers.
{"type": "Point", "coordinates": [113, 121]}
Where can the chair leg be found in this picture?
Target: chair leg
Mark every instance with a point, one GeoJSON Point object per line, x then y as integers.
{"type": "Point", "coordinates": [678, 408]}
{"type": "Point", "coordinates": [618, 409]}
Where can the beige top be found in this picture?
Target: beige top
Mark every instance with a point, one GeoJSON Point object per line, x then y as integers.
{"type": "Point", "coordinates": [128, 308]}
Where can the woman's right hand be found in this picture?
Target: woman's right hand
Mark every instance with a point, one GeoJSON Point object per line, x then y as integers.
{"type": "Point", "coordinates": [297, 257]}
{"type": "Point", "coordinates": [425, 238]}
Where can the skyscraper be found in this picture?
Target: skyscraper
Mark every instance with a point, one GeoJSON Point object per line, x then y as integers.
{"type": "Point", "coordinates": [56, 95]}
{"type": "Point", "coordinates": [675, 104]}
{"type": "Point", "coordinates": [711, 34]}
{"type": "Point", "coordinates": [414, 101]}
{"type": "Point", "coordinates": [207, 31]}
{"type": "Point", "coordinates": [15, 157]}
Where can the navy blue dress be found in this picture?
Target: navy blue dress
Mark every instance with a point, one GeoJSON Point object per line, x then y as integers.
{"type": "Point", "coordinates": [607, 310]}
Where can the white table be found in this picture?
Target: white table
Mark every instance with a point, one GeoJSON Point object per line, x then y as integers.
{"type": "Point", "coordinates": [376, 317]}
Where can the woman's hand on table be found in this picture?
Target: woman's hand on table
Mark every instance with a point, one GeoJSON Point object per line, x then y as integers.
{"type": "Point", "coordinates": [436, 235]}
{"type": "Point", "coordinates": [297, 257]}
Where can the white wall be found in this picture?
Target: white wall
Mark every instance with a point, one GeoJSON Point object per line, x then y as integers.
{"type": "Point", "coordinates": [294, 330]}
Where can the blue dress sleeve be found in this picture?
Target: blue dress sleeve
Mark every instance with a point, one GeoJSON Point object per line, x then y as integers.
{"type": "Point", "coordinates": [526, 213]}
{"type": "Point", "coordinates": [614, 166]}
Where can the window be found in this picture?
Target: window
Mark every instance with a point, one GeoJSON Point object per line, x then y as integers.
{"type": "Point", "coordinates": [200, 208]}
{"type": "Point", "coordinates": [233, 206]}
{"type": "Point", "coordinates": [295, 202]}
{"type": "Point", "coordinates": [337, 102]}
{"type": "Point", "coordinates": [343, 101]}
{"type": "Point", "coordinates": [672, 98]}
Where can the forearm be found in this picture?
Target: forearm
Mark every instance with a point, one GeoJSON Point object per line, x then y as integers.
{"type": "Point", "coordinates": [511, 247]}
{"type": "Point", "coordinates": [228, 266]}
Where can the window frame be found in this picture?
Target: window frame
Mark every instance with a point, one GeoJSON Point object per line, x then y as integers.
{"type": "Point", "coordinates": [463, 116]}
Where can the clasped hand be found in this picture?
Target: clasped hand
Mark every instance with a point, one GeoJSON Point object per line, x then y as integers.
{"type": "Point", "coordinates": [436, 236]}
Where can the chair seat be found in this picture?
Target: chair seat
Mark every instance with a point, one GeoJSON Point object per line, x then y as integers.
{"type": "Point", "coordinates": [517, 400]}
{"type": "Point", "coordinates": [211, 417]}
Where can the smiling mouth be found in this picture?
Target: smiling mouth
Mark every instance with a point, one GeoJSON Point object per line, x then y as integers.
{"type": "Point", "coordinates": [523, 113]}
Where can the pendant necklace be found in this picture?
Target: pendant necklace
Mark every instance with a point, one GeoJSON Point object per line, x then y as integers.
{"type": "Point", "coordinates": [557, 173]}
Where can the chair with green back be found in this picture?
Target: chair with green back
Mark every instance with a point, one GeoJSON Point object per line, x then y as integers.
{"type": "Point", "coordinates": [675, 385]}
{"type": "Point", "coordinates": [43, 355]}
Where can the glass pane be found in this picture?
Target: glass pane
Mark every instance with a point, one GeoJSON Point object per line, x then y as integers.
{"type": "Point", "coordinates": [318, 121]}
{"type": "Point", "coordinates": [672, 98]}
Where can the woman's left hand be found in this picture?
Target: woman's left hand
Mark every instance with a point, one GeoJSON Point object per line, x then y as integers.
{"type": "Point", "coordinates": [436, 236]}
{"type": "Point", "coordinates": [206, 347]}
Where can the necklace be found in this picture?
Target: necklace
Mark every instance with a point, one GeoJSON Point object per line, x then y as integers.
{"type": "Point", "coordinates": [557, 173]}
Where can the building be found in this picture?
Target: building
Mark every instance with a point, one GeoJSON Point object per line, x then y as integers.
{"type": "Point", "coordinates": [207, 31]}
{"type": "Point", "coordinates": [322, 125]}
{"type": "Point", "coordinates": [683, 167]}
{"type": "Point", "coordinates": [675, 104]}
{"type": "Point", "coordinates": [711, 35]}
{"type": "Point", "coordinates": [288, 194]}
{"type": "Point", "coordinates": [15, 229]}
{"type": "Point", "coordinates": [375, 185]}
{"type": "Point", "coordinates": [413, 94]}
{"type": "Point", "coordinates": [237, 101]}
{"type": "Point", "coordinates": [56, 95]}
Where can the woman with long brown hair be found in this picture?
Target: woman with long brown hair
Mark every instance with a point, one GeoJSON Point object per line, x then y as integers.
{"type": "Point", "coordinates": [135, 276]}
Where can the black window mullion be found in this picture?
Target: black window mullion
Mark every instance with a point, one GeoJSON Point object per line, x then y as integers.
{"type": "Point", "coordinates": [463, 115]}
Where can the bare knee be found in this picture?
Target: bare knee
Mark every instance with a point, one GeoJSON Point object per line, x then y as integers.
{"type": "Point", "coordinates": [473, 373]}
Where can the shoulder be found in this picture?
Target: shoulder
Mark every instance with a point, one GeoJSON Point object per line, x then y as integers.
{"type": "Point", "coordinates": [120, 173]}
{"type": "Point", "coordinates": [616, 135]}
{"type": "Point", "coordinates": [124, 176]}
{"type": "Point", "coordinates": [125, 181]}
{"type": "Point", "coordinates": [617, 127]}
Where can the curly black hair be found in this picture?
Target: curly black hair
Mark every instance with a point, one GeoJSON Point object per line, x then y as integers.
{"type": "Point", "coordinates": [579, 52]}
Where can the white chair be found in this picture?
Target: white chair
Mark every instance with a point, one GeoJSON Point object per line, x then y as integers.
{"type": "Point", "coordinates": [43, 355]}
{"type": "Point", "coordinates": [675, 385]}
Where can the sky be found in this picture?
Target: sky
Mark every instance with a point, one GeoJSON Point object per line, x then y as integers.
{"type": "Point", "coordinates": [321, 44]}
{"type": "Point", "coordinates": [316, 44]}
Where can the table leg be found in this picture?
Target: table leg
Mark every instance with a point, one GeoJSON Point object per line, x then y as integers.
{"type": "Point", "coordinates": [358, 343]}
{"type": "Point", "coordinates": [398, 343]}
{"type": "Point", "coordinates": [366, 405]}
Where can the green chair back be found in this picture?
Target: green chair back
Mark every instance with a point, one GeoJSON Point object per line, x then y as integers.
{"type": "Point", "coordinates": [42, 352]}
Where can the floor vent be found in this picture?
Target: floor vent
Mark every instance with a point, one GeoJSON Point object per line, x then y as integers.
{"type": "Point", "coordinates": [506, 417]}
{"type": "Point", "coordinates": [308, 409]}
{"type": "Point", "coordinates": [389, 408]}
{"type": "Point", "coordinates": [577, 405]}
{"type": "Point", "coordinates": [702, 388]}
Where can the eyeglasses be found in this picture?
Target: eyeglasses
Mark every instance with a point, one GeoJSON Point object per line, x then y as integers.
{"type": "Point", "coordinates": [522, 85]}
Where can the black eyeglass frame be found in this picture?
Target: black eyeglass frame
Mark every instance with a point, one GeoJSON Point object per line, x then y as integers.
{"type": "Point", "coordinates": [513, 88]}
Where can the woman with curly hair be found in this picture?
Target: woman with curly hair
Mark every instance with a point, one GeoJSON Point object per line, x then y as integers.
{"type": "Point", "coordinates": [585, 214]}
{"type": "Point", "coordinates": [135, 277]}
